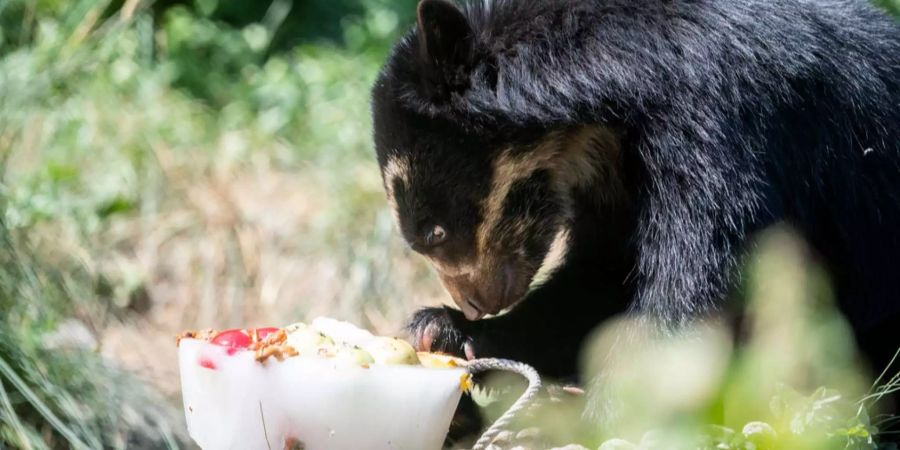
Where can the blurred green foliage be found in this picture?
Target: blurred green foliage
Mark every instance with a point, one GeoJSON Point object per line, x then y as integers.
{"type": "Point", "coordinates": [101, 95]}
{"type": "Point", "coordinates": [107, 110]}
{"type": "Point", "coordinates": [890, 5]}
{"type": "Point", "coordinates": [792, 382]}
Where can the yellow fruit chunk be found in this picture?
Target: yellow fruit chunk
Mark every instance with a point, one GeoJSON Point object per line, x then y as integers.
{"type": "Point", "coordinates": [388, 350]}
{"type": "Point", "coordinates": [353, 356]}
{"type": "Point", "coordinates": [309, 342]}
{"type": "Point", "coordinates": [440, 360]}
{"type": "Point", "coordinates": [465, 382]}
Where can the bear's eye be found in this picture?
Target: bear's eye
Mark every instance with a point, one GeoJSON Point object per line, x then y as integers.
{"type": "Point", "coordinates": [436, 236]}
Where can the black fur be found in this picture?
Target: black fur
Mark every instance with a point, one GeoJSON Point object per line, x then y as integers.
{"type": "Point", "coordinates": [732, 114]}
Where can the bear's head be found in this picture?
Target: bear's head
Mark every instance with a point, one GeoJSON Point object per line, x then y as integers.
{"type": "Point", "coordinates": [485, 198]}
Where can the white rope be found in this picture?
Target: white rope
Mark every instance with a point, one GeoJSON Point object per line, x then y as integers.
{"type": "Point", "coordinates": [534, 385]}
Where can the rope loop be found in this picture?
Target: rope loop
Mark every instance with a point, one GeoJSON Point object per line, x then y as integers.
{"type": "Point", "coordinates": [534, 386]}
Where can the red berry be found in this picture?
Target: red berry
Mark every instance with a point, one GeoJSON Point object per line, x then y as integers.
{"type": "Point", "coordinates": [233, 339]}
{"type": "Point", "coordinates": [206, 362]}
{"type": "Point", "coordinates": [261, 333]}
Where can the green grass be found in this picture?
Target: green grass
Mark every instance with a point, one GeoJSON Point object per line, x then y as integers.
{"type": "Point", "coordinates": [64, 398]}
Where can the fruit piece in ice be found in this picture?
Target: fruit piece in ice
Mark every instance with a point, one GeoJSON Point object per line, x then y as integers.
{"type": "Point", "coordinates": [293, 444]}
{"type": "Point", "coordinates": [232, 339]}
{"type": "Point", "coordinates": [386, 350]}
{"type": "Point", "coordinates": [440, 360]}
{"type": "Point", "coordinates": [353, 356]}
{"type": "Point", "coordinates": [465, 382]}
{"type": "Point", "coordinates": [309, 342]}
{"type": "Point", "coordinates": [207, 363]}
{"type": "Point", "coordinates": [263, 333]}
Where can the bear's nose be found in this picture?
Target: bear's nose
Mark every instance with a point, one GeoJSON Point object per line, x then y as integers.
{"type": "Point", "coordinates": [471, 309]}
{"type": "Point", "coordinates": [465, 294]}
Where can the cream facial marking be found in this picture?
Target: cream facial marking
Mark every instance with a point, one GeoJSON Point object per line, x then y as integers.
{"type": "Point", "coordinates": [555, 256]}
{"type": "Point", "coordinates": [396, 168]}
{"type": "Point", "coordinates": [582, 157]}
{"type": "Point", "coordinates": [576, 157]}
{"type": "Point", "coordinates": [590, 156]}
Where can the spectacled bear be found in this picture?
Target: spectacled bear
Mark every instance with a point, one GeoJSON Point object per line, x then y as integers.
{"type": "Point", "coordinates": [568, 161]}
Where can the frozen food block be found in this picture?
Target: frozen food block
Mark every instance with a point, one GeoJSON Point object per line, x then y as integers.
{"type": "Point", "coordinates": [232, 401]}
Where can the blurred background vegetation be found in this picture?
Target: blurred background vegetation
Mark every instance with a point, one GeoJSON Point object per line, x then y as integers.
{"type": "Point", "coordinates": [183, 164]}
{"type": "Point", "coordinates": [178, 164]}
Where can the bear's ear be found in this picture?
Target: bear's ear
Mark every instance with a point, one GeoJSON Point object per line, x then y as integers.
{"type": "Point", "coordinates": [445, 45]}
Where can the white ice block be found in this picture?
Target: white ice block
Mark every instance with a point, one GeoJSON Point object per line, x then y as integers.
{"type": "Point", "coordinates": [232, 401]}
